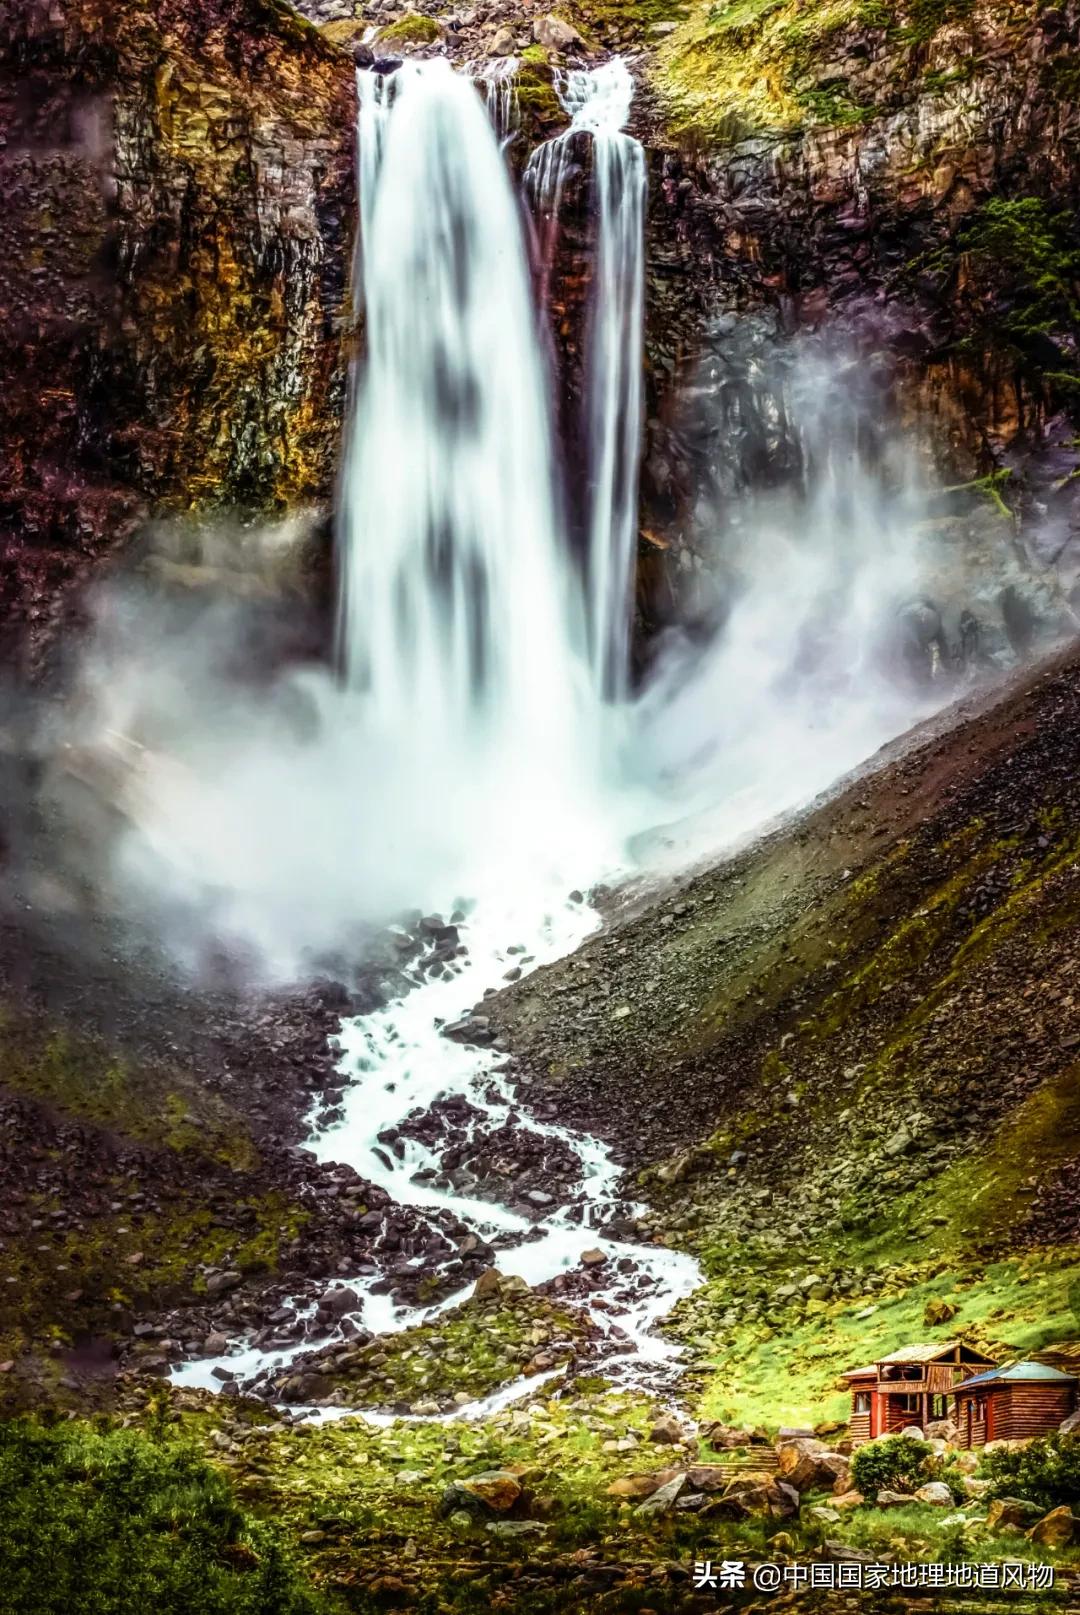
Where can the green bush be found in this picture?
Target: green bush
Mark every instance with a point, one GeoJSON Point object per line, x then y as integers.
{"type": "Point", "coordinates": [1047, 1472]}
{"type": "Point", "coordinates": [894, 1464]}
{"type": "Point", "coordinates": [114, 1524]}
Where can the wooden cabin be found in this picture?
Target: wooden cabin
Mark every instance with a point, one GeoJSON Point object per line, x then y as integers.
{"type": "Point", "coordinates": [911, 1386]}
{"type": "Point", "coordinates": [1013, 1403]}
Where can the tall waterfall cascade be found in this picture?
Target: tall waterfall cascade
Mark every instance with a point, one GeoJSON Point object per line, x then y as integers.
{"type": "Point", "coordinates": [598, 102]}
{"type": "Point", "coordinates": [460, 618]}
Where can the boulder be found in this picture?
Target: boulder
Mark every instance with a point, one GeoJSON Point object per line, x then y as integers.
{"type": "Point", "coordinates": [846, 1500]}
{"type": "Point", "coordinates": [726, 1436]}
{"type": "Point", "coordinates": [935, 1492]}
{"type": "Point", "coordinates": [915, 1431]}
{"type": "Point", "coordinates": [665, 1497]}
{"type": "Point", "coordinates": [494, 1491]}
{"type": "Point", "coordinates": [707, 1477]}
{"type": "Point", "coordinates": [1070, 1425]}
{"type": "Point", "coordinates": [221, 1283]}
{"type": "Point", "coordinates": [808, 1465]}
{"type": "Point", "coordinates": [1012, 1514]}
{"type": "Point", "coordinates": [554, 34]}
{"type": "Point", "coordinates": [667, 1430]}
{"type": "Point", "coordinates": [767, 1496]}
{"type": "Point", "coordinates": [887, 1499]}
{"type": "Point", "coordinates": [334, 1303]}
{"type": "Point", "coordinates": [974, 1488]}
{"type": "Point", "coordinates": [488, 1284]}
{"type": "Point", "coordinates": [635, 1487]}
{"type": "Point", "coordinates": [1058, 1529]}
{"type": "Point", "coordinates": [942, 1430]}
{"type": "Point", "coordinates": [824, 1515]}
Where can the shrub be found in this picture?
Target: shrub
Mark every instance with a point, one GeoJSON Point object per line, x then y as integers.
{"type": "Point", "coordinates": [893, 1464]}
{"type": "Point", "coordinates": [107, 1524]}
{"type": "Point", "coordinates": [1046, 1472]}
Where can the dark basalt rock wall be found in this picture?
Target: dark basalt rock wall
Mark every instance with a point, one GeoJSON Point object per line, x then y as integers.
{"type": "Point", "coordinates": [177, 185]}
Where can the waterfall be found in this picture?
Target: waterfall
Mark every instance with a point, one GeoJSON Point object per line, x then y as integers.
{"type": "Point", "coordinates": [499, 81]}
{"type": "Point", "coordinates": [459, 622]}
{"type": "Point", "coordinates": [598, 102]}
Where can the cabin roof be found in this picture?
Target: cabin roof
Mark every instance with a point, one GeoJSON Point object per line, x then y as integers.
{"type": "Point", "coordinates": [1024, 1373]}
{"type": "Point", "coordinates": [929, 1353]}
{"type": "Point", "coordinates": [921, 1354]}
{"type": "Point", "coordinates": [870, 1372]}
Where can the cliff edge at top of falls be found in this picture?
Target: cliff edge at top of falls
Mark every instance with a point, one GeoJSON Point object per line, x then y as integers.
{"type": "Point", "coordinates": [178, 213]}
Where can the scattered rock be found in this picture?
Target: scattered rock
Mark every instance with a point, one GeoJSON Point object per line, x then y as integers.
{"type": "Point", "coordinates": [667, 1429]}
{"type": "Point", "coordinates": [554, 34]}
{"type": "Point", "coordinates": [493, 1491]}
{"type": "Point", "coordinates": [1012, 1514]}
{"type": "Point", "coordinates": [1058, 1529]}
{"type": "Point", "coordinates": [663, 1500]}
{"type": "Point", "coordinates": [935, 1492]}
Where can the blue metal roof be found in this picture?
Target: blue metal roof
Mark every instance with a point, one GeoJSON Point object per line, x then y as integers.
{"type": "Point", "coordinates": [1023, 1373]}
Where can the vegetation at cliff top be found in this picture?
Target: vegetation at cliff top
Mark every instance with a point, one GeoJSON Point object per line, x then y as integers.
{"type": "Point", "coordinates": [736, 67]}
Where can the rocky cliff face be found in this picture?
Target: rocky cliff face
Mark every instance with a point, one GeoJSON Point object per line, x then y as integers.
{"type": "Point", "coordinates": [907, 172]}
{"type": "Point", "coordinates": [174, 255]}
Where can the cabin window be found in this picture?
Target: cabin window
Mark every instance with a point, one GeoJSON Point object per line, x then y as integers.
{"type": "Point", "coordinates": [937, 1407]}
{"type": "Point", "coordinates": [980, 1408]}
{"type": "Point", "coordinates": [862, 1402]}
{"type": "Point", "coordinates": [911, 1402]}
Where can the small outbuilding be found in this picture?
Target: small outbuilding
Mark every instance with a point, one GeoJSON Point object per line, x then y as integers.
{"type": "Point", "coordinates": [1013, 1403]}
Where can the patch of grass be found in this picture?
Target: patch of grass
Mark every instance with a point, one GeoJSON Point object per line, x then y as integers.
{"type": "Point", "coordinates": [472, 1348]}
{"type": "Point", "coordinates": [91, 1082]}
{"type": "Point", "coordinates": [787, 1373]}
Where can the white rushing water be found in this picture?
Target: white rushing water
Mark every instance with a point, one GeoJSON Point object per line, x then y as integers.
{"type": "Point", "coordinates": [598, 102]}
{"type": "Point", "coordinates": [461, 633]}
{"type": "Point", "coordinates": [499, 80]}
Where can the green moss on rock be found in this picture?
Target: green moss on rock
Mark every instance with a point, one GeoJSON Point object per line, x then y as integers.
{"type": "Point", "coordinates": [413, 29]}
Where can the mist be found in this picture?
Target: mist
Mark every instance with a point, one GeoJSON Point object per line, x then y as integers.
{"type": "Point", "coordinates": [210, 774]}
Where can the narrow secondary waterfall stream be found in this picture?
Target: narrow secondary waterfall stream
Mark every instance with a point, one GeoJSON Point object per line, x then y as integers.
{"type": "Point", "coordinates": [598, 103]}
{"type": "Point", "coordinates": [466, 631]}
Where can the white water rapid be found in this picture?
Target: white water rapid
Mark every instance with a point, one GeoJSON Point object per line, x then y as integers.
{"type": "Point", "coordinates": [462, 637]}
{"type": "Point", "coordinates": [598, 102]}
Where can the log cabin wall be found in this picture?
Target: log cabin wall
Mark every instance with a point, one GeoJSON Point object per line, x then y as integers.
{"type": "Point", "coordinates": [1021, 1411]}
{"type": "Point", "coordinates": [859, 1426]}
